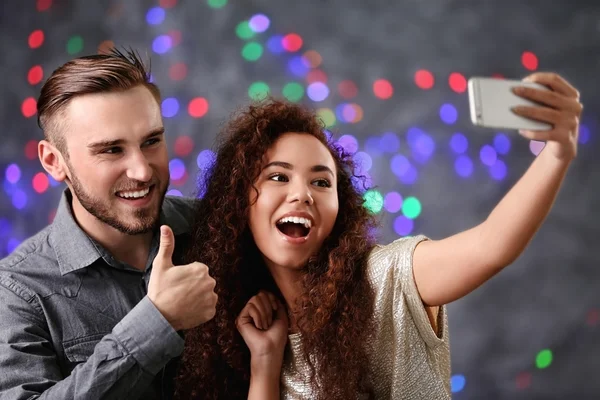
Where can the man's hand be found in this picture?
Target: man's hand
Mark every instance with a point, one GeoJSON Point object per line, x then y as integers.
{"type": "Point", "coordinates": [183, 294]}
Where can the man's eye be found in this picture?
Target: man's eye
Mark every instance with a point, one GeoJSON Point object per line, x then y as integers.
{"type": "Point", "coordinates": [150, 142]}
{"type": "Point", "coordinates": [111, 150]}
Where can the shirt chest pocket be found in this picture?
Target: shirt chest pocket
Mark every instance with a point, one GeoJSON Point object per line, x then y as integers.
{"type": "Point", "coordinates": [81, 349]}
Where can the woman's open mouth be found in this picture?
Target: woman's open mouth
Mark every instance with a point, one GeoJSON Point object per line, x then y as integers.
{"type": "Point", "coordinates": [294, 229]}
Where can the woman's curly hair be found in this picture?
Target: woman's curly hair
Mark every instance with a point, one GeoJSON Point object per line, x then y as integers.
{"type": "Point", "coordinates": [337, 300]}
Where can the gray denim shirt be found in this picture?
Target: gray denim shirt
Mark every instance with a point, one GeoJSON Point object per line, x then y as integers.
{"type": "Point", "coordinates": [76, 324]}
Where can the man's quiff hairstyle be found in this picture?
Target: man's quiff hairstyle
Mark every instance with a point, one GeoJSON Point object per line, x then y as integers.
{"type": "Point", "coordinates": [100, 73]}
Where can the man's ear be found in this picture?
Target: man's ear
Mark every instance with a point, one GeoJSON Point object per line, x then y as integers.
{"type": "Point", "coordinates": [52, 160]}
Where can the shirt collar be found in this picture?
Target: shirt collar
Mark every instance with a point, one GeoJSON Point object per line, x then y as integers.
{"type": "Point", "coordinates": [76, 250]}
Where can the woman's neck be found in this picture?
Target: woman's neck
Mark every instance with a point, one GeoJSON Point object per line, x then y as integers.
{"type": "Point", "coordinates": [289, 282]}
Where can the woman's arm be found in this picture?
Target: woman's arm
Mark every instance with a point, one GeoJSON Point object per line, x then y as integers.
{"type": "Point", "coordinates": [264, 382]}
{"type": "Point", "coordinates": [448, 269]}
{"type": "Point", "coordinates": [263, 324]}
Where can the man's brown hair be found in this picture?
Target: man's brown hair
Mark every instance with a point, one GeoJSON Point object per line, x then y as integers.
{"type": "Point", "coordinates": [99, 73]}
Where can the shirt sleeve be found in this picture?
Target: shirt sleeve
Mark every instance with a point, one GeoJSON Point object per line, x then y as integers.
{"type": "Point", "coordinates": [123, 363]}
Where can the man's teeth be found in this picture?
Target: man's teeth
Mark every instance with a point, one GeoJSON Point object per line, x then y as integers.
{"type": "Point", "coordinates": [296, 220]}
{"type": "Point", "coordinates": [134, 195]}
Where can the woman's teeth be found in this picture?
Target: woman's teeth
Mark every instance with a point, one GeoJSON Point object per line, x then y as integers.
{"type": "Point", "coordinates": [296, 220]}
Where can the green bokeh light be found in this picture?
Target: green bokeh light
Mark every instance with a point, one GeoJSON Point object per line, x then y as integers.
{"type": "Point", "coordinates": [373, 201]}
{"type": "Point", "coordinates": [75, 45]}
{"type": "Point", "coordinates": [543, 359]}
{"type": "Point", "coordinates": [258, 90]}
{"type": "Point", "coordinates": [411, 207]}
{"type": "Point", "coordinates": [293, 91]}
{"type": "Point", "coordinates": [327, 116]}
{"type": "Point", "coordinates": [244, 31]}
{"type": "Point", "coordinates": [252, 51]}
{"type": "Point", "coordinates": [217, 3]}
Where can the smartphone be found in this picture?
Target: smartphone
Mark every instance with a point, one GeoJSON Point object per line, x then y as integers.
{"type": "Point", "coordinates": [491, 100]}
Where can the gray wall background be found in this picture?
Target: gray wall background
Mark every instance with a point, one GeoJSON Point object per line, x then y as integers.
{"type": "Point", "coordinates": [548, 299]}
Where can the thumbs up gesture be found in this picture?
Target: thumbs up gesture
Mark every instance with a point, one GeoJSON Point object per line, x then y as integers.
{"type": "Point", "coordinates": [183, 294]}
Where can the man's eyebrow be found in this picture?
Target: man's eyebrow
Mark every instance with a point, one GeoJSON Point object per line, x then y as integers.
{"type": "Point", "coordinates": [117, 142]}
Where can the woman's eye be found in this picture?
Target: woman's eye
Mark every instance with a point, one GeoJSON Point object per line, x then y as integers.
{"type": "Point", "coordinates": [322, 183]}
{"type": "Point", "coordinates": [278, 178]}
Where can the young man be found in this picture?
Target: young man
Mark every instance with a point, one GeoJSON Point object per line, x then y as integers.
{"type": "Point", "coordinates": [82, 316]}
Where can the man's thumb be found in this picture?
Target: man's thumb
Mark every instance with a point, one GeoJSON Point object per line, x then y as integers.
{"type": "Point", "coordinates": [164, 257]}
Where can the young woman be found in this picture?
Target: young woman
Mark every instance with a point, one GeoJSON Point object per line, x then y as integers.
{"type": "Point", "coordinates": [309, 306]}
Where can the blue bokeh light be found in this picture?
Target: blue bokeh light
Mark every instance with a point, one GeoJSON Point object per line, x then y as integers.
{"type": "Point", "coordinates": [463, 166]}
{"type": "Point", "coordinates": [403, 226]}
{"type": "Point", "coordinates": [448, 113]}
{"type": "Point", "coordinates": [362, 162]}
{"type": "Point", "coordinates": [205, 159]}
{"type": "Point", "coordinates": [13, 173]}
{"type": "Point", "coordinates": [176, 169]}
{"type": "Point", "coordinates": [410, 176]}
{"type": "Point", "coordinates": [457, 383]}
{"type": "Point", "coordinates": [259, 23]}
{"type": "Point", "coordinates": [19, 199]}
{"type": "Point", "coordinates": [399, 165]}
{"type": "Point", "coordinates": [12, 244]}
{"type": "Point", "coordinates": [297, 67]}
{"type": "Point", "coordinates": [317, 91]}
{"type": "Point", "coordinates": [170, 107]}
{"type": "Point", "coordinates": [502, 143]}
{"type": "Point", "coordinates": [348, 143]}
{"type": "Point", "coordinates": [373, 146]}
{"type": "Point", "coordinates": [459, 143]}
{"type": "Point", "coordinates": [5, 227]}
{"type": "Point", "coordinates": [584, 134]}
{"type": "Point", "coordinates": [275, 44]}
{"type": "Point", "coordinates": [162, 44]}
{"type": "Point", "coordinates": [155, 15]}
{"type": "Point", "coordinates": [390, 143]}
{"type": "Point", "coordinates": [392, 202]}
{"type": "Point", "coordinates": [488, 155]}
{"type": "Point", "coordinates": [498, 170]}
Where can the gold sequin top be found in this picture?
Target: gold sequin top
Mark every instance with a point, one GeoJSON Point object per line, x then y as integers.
{"type": "Point", "coordinates": [408, 360]}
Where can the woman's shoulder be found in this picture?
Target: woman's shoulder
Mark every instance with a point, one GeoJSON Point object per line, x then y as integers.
{"type": "Point", "coordinates": [402, 247]}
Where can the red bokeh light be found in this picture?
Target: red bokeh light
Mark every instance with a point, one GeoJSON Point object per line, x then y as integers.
{"type": "Point", "coordinates": [43, 5]}
{"type": "Point", "coordinates": [424, 79]}
{"type": "Point", "coordinates": [529, 60]}
{"type": "Point", "coordinates": [316, 75]}
{"type": "Point", "coordinates": [31, 149]}
{"type": "Point", "coordinates": [36, 39]}
{"type": "Point", "coordinates": [198, 107]}
{"type": "Point", "coordinates": [383, 89]}
{"type": "Point", "coordinates": [175, 36]}
{"type": "Point", "coordinates": [35, 75]}
{"type": "Point", "coordinates": [347, 89]}
{"type": "Point", "coordinates": [167, 3]}
{"type": "Point", "coordinates": [292, 42]}
{"type": "Point", "coordinates": [457, 82]}
{"type": "Point", "coordinates": [40, 182]}
{"type": "Point", "coordinates": [29, 107]}
{"type": "Point", "coordinates": [178, 71]}
{"type": "Point", "coordinates": [183, 146]}
{"type": "Point", "coordinates": [523, 380]}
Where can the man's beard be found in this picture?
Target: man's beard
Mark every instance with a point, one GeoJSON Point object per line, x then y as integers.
{"type": "Point", "coordinates": [147, 218]}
